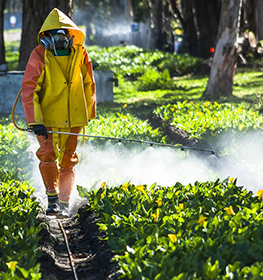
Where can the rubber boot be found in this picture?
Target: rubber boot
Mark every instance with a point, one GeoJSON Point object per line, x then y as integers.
{"type": "Point", "coordinates": [64, 210]}
{"type": "Point", "coordinates": [53, 205]}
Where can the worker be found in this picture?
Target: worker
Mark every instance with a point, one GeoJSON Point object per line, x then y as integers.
{"type": "Point", "coordinates": [58, 95]}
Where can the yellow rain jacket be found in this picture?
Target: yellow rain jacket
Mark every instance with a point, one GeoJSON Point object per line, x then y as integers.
{"type": "Point", "coordinates": [48, 98]}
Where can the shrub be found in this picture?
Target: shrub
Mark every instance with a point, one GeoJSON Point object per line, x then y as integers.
{"type": "Point", "coordinates": [202, 119]}
{"type": "Point", "coordinates": [153, 80]}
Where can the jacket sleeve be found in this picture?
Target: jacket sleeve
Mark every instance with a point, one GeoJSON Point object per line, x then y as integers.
{"type": "Point", "coordinates": [31, 86]}
{"type": "Point", "coordinates": [89, 85]}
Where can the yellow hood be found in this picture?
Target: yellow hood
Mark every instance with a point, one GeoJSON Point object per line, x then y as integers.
{"type": "Point", "coordinates": [58, 20]}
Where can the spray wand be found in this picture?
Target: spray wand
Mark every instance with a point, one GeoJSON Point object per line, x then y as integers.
{"type": "Point", "coordinates": [182, 148]}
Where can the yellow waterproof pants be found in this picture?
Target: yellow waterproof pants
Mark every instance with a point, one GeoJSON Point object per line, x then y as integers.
{"type": "Point", "coordinates": [58, 156]}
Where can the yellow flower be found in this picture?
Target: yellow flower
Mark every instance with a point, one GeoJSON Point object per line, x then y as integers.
{"type": "Point", "coordinates": [19, 169]}
{"type": "Point", "coordinates": [260, 194]}
{"type": "Point", "coordinates": [124, 106]}
{"type": "Point", "coordinates": [239, 110]}
{"type": "Point", "coordinates": [24, 187]}
{"type": "Point", "coordinates": [11, 265]}
{"type": "Point", "coordinates": [200, 114]}
{"type": "Point", "coordinates": [140, 188]}
{"type": "Point", "coordinates": [231, 180]}
{"type": "Point", "coordinates": [191, 102]}
{"type": "Point", "coordinates": [125, 187]}
{"type": "Point", "coordinates": [207, 103]}
{"type": "Point", "coordinates": [155, 216]}
{"type": "Point", "coordinates": [172, 237]}
{"type": "Point", "coordinates": [159, 201]}
{"type": "Point", "coordinates": [172, 109]}
{"type": "Point", "coordinates": [215, 119]}
{"type": "Point", "coordinates": [230, 210]}
{"type": "Point", "coordinates": [102, 125]}
{"type": "Point", "coordinates": [124, 117]}
{"type": "Point", "coordinates": [181, 205]}
{"type": "Point", "coordinates": [103, 185]}
{"type": "Point", "coordinates": [103, 195]}
{"type": "Point", "coordinates": [201, 220]}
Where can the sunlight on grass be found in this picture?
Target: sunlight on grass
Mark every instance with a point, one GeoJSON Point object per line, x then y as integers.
{"type": "Point", "coordinates": [247, 88]}
{"type": "Point", "coordinates": [248, 83]}
{"type": "Point", "coordinates": [158, 95]}
{"type": "Point", "coordinates": [185, 88]}
{"type": "Point", "coordinates": [12, 54]}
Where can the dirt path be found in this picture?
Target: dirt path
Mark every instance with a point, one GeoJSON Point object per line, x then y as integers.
{"type": "Point", "coordinates": [91, 255]}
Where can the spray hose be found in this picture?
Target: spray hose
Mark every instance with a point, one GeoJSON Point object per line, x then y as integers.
{"type": "Point", "coordinates": [182, 148]}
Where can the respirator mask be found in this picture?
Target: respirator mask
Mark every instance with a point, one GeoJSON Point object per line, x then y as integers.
{"type": "Point", "coordinates": [56, 39]}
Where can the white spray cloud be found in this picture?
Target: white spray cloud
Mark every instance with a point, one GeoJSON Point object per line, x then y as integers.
{"type": "Point", "coordinates": [116, 164]}
{"type": "Point", "coordinates": [162, 165]}
{"type": "Point", "coordinates": [244, 159]}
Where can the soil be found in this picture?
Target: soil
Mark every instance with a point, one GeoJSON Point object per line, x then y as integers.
{"type": "Point", "coordinates": [90, 253]}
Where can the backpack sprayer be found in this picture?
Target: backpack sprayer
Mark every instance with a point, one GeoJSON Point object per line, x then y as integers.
{"type": "Point", "coordinates": [182, 148]}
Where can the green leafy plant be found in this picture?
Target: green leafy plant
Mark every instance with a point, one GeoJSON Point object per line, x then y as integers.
{"type": "Point", "coordinates": [208, 230]}
{"type": "Point", "coordinates": [14, 157]}
{"type": "Point", "coordinates": [153, 79]}
{"type": "Point", "coordinates": [18, 207]}
{"type": "Point", "coordinates": [122, 124]}
{"type": "Point", "coordinates": [132, 61]}
{"type": "Point", "coordinates": [200, 119]}
{"type": "Point", "coordinates": [18, 231]}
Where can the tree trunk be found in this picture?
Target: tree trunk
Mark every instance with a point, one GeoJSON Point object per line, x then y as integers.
{"type": "Point", "coordinates": [259, 19]}
{"type": "Point", "coordinates": [248, 20]}
{"type": "Point", "coordinates": [208, 16]}
{"type": "Point", "coordinates": [2, 44]}
{"type": "Point", "coordinates": [190, 33]}
{"type": "Point", "coordinates": [34, 14]}
{"type": "Point", "coordinates": [224, 62]}
{"type": "Point", "coordinates": [159, 25]}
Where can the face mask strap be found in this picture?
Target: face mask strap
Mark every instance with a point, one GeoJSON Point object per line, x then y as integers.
{"type": "Point", "coordinates": [47, 43]}
{"type": "Point", "coordinates": [53, 40]}
{"type": "Point", "coordinates": [70, 40]}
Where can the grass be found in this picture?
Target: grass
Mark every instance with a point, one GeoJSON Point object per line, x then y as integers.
{"type": "Point", "coordinates": [247, 90]}
{"type": "Point", "coordinates": [248, 85]}
{"type": "Point", "coordinates": [12, 54]}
